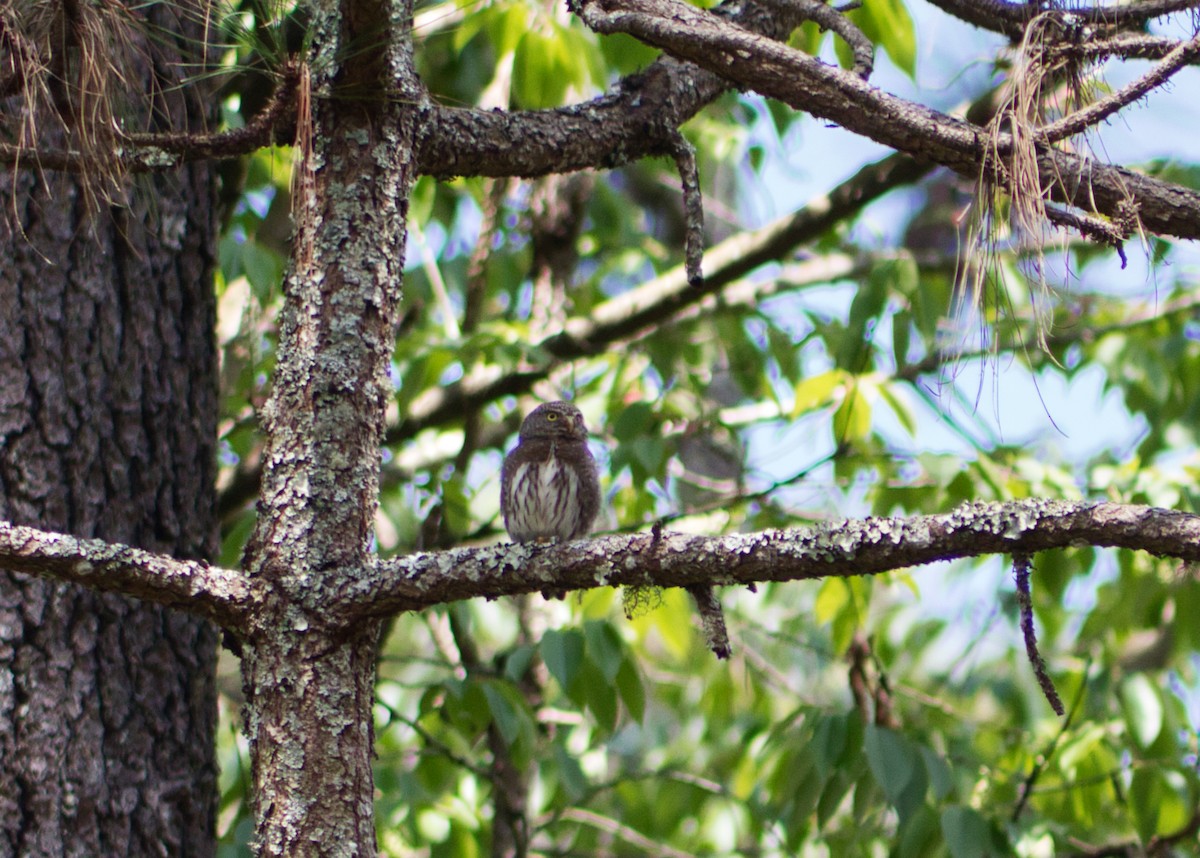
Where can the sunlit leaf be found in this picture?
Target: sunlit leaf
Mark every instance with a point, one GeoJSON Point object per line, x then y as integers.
{"type": "Point", "coordinates": [852, 419]}
{"type": "Point", "coordinates": [1142, 705]}
{"type": "Point", "coordinates": [815, 392]}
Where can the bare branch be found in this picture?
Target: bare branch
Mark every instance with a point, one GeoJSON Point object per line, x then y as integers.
{"type": "Point", "coordinates": [712, 620]}
{"type": "Point", "coordinates": [843, 548]}
{"type": "Point", "coordinates": [638, 117]}
{"type": "Point", "coordinates": [693, 208]}
{"type": "Point", "coordinates": [806, 83]}
{"type": "Point", "coordinates": [158, 152]}
{"type": "Point", "coordinates": [1001, 16]}
{"type": "Point", "coordinates": [833, 19]}
{"type": "Point", "coordinates": [1140, 46]}
{"type": "Point", "coordinates": [219, 594]}
{"type": "Point", "coordinates": [1093, 114]}
{"type": "Point", "coordinates": [1022, 565]}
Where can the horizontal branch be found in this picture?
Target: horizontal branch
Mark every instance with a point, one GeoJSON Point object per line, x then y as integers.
{"type": "Point", "coordinates": [806, 83]}
{"type": "Point", "coordinates": [660, 558]}
{"type": "Point", "coordinates": [1003, 16]}
{"type": "Point", "coordinates": [145, 152]}
{"type": "Point", "coordinates": [638, 117]}
{"type": "Point", "coordinates": [843, 548]}
{"type": "Point", "coordinates": [218, 594]}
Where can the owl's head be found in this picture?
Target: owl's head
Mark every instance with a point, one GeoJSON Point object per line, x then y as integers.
{"type": "Point", "coordinates": [554, 420]}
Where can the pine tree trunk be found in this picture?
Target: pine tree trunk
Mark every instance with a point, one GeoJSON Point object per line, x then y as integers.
{"type": "Point", "coordinates": [107, 429]}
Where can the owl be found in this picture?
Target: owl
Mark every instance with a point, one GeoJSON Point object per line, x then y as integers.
{"type": "Point", "coordinates": [549, 488]}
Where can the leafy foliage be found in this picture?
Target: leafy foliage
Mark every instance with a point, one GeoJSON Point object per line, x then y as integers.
{"type": "Point", "coordinates": [891, 715]}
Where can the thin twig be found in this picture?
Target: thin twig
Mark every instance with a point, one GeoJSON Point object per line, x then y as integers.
{"type": "Point", "coordinates": [1093, 114]}
{"type": "Point", "coordinates": [157, 152]}
{"type": "Point", "coordinates": [627, 833]}
{"type": "Point", "coordinates": [1021, 568]}
{"type": "Point", "coordinates": [712, 620]}
{"type": "Point", "coordinates": [693, 208]}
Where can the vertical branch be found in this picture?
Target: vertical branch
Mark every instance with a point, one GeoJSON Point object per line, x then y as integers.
{"type": "Point", "coordinates": [1022, 564]}
{"type": "Point", "coordinates": [712, 620]}
{"type": "Point", "coordinates": [309, 689]}
{"type": "Point", "coordinates": [693, 208]}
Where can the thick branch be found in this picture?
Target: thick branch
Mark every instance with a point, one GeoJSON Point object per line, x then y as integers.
{"type": "Point", "coordinates": [638, 117]}
{"type": "Point", "coordinates": [806, 83]}
{"type": "Point", "coordinates": [1001, 16]}
{"type": "Point", "coordinates": [221, 595]}
{"type": "Point", "coordinates": [844, 548]}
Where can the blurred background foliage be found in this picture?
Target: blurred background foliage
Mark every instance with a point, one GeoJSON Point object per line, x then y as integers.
{"type": "Point", "coordinates": [891, 715]}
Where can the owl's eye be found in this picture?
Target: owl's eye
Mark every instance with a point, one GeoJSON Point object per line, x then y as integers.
{"type": "Point", "coordinates": [551, 416]}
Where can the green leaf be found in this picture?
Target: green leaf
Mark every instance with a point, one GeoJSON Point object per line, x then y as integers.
{"type": "Point", "coordinates": [871, 296]}
{"type": "Point", "coordinates": [604, 647]}
{"type": "Point", "coordinates": [506, 27]}
{"type": "Point", "coordinates": [601, 697]}
{"type": "Point", "coordinates": [833, 796]}
{"type": "Point", "coordinates": [1161, 801]}
{"type": "Point", "coordinates": [833, 595]}
{"type": "Point", "coordinates": [263, 268]}
{"type": "Point", "coordinates": [570, 773]}
{"type": "Point", "coordinates": [895, 763]}
{"type": "Point", "coordinates": [966, 832]}
{"type": "Point", "coordinates": [1142, 706]}
{"type": "Point", "coordinates": [538, 80]}
{"type": "Point", "coordinates": [893, 30]}
{"type": "Point", "coordinates": [516, 664]}
{"type": "Point", "coordinates": [940, 776]}
{"type": "Point", "coordinates": [919, 834]}
{"type": "Point", "coordinates": [852, 420]}
{"type": "Point", "coordinates": [902, 324]}
{"type": "Point", "coordinates": [420, 201]}
{"type": "Point", "coordinates": [1179, 172]}
{"type": "Point", "coordinates": [903, 413]}
{"type": "Point", "coordinates": [815, 392]}
{"type": "Point", "coordinates": [829, 741]}
{"type": "Point", "coordinates": [1187, 604]}
{"type": "Point", "coordinates": [585, 59]}
{"type": "Point", "coordinates": [629, 686]}
{"type": "Point", "coordinates": [466, 707]}
{"type": "Point", "coordinates": [633, 422]}
{"type": "Point", "coordinates": [562, 651]}
{"type": "Point", "coordinates": [673, 621]}
{"type": "Point", "coordinates": [626, 54]}
{"type": "Point", "coordinates": [505, 715]}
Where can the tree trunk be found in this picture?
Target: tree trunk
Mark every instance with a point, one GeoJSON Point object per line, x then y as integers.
{"type": "Point", "coordinates": [108, 412]}
{"type": "Point", "coordinates": [309, 684]}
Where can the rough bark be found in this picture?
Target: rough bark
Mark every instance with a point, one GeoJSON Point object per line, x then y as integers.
{"type": "Point", "coordinates": [662, 558]}
{"type": "Point", "coordinates": [806, 83]}
{"type": "Point", "coordinates": [107, 429]}
{"type": "Point", "coordinates": [309, 685]}
{"type": "Point", "coordinates": [843, 548]}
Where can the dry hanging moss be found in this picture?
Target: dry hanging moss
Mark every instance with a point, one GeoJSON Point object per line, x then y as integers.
{"type": "Point", "coordinates": [1046, 83]}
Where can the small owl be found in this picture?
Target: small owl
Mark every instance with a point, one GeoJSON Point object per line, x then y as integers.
{"type": "Point", "coordinates": [549, 488]}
